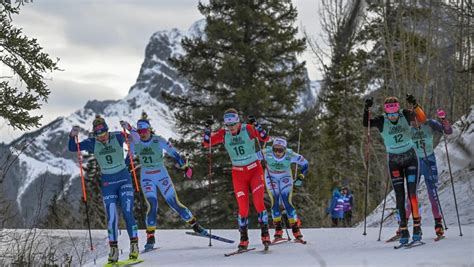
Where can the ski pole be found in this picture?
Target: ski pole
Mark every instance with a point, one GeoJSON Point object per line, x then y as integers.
{"type": "Point", "coordinates": [137, 188]}
{"type": "Point", "coordinates": [430, 173]}
{"type": "Point", "coordinates": [298, 150]}
{"type": "Point", "coordinates": [367, 153]}
{"type": "Point", "coordinates": [383, 206]}
{"type": "Point", "coordinates": [210, 121]}
{"type": "Point", "coordinates": [84, 193]}
{"type": "Point", "coordinates": [452, 183]}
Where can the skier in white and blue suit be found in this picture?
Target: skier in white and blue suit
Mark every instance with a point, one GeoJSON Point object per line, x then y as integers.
{"type": "Point", "coordinates": [279, 182]}
{"type": "Point", "coordinates": [149, 147]}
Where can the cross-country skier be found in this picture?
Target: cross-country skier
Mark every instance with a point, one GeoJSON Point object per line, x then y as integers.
{"type": "Point", "coordinates": [394, 126]}
{"type": "Point", "coordinates": [247, 173]}
{"type": "Point", "coordinates": [279, 182]}
{"type": "Point", "coordinates": [149, 147]}
{"type": "Point", "coordinates": [422, 135]}
{"type": "Point", "coordinates": [348, 205]}
{"type": "Point", "coordinates": [116, 183]}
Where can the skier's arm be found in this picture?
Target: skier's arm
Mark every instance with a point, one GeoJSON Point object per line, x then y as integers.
{"type": "Point", "coordinates": [377, 121]}
{"type": "Point", "coordinates": [443, 126]}
{"type": "Point", "coordinates": [417, 114]}
{"type": "Point", "coordinates": [300, 160]}
{"type": "Point", "coordinates": [257, 132]}
{"type": "Point", "coordinates": [171, 151]}
{"type": "Point", "coordinates": [86, 145]}
{"type": "Point", "coordinates": [215, 137]}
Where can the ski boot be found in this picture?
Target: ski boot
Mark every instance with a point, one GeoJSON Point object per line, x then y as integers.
{"type": "Point", "coordinates": [244, 239]}
{"type": "Point", "coordinates": [295, 228]}
{"type": "Point", "coordinates": [417, 229]}
{"type": "Point", "coordinates": [265, 235]}
{"type": "Point", "coordinates": [114, 252]}
{"type": "Point", "coordinates": [278, 230]}
{"type": "Point", "coordinates": [404, 235]}
{"type": "Point", "coordinates": [417, 233]}
{"type": "Point", "coordinates": [439, 229]}
{"type": "Point", "coordinates": [150, 240]}
{"type": "Point", "coordinates": [133, 249]}
{"type": "Point", "coordinates": [197, 228]}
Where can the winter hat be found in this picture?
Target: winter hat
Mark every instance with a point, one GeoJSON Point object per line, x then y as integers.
{"type": "Point", "coordinates": [99, 126]}
{"type": "Point", "coordinates": [391, 105]}
{"type": "Point", "coordinates": [231, 116]}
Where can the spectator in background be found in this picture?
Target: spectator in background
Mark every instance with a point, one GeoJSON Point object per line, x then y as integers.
{"type": "Point", "coordinates": [336, 209]}
{"type": "Point", "coordinates": [348, 204]}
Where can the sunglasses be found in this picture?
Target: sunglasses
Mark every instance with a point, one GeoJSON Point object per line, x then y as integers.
{"type": "Point", "coordinates": [142, 131]}
{"type": "Point", "coordinates": [100, 135]}
{"type": "Point", "coordinates": [278, 150]}
{"type": "Point", "coordinates": [231, 124]}
{"type": "Point", "coordinates": [392, 114]}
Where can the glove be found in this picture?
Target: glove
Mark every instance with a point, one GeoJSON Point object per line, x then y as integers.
{"type": "Point", "coordinates": [299, 180]}
{"type": "Point", "coordinates": [254, 122]}
{"type": "Point", "coordinates": [441, 114]}
{"type": "Point", "coordinates": [209, 121]}
{"type": "Point", "coordinates": [125, 125]}
{"type": "Point", "coordinates": [369, 102]}
{"type": "Point", "coordinates": [188, 171]}
{"type": "Point", "coordinates": [411, 99]}
{"type": "Point", "coordinates": [74, 131]}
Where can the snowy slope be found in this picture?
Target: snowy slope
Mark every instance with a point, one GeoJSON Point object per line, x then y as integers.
{"type": "Point", "coordinates": [461, 154]}
{"type": "Point", "coordinates": [326, 247]}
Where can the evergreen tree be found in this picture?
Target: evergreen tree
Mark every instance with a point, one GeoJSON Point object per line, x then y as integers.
{"type": "Point", "coordinates": [246, 60]}
{"type": "Point", "coordinates": [26, 61]}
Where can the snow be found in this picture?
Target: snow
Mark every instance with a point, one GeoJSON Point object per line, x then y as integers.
{"type": "Point", "coordinates": [326, 247]}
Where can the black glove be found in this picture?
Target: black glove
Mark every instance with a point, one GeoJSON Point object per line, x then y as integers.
{"type": "Point", "coordinates": [369, 102]}
{"type": "Point", "coordinates": [252, 120]}
{"type": "Point", "coordinates": [209, 121]}
{"type": "Point", "coordinates": [411, 99]}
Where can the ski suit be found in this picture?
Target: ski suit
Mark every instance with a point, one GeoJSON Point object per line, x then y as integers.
{"type": "Point", "coordinates": [423, 137]}
{"type": "Point", "coordinates": [348, 204]}
{"type": "Point", "coordinates": [279, 180]}
{"type": "Point", "coordinates": [116, 183]}
{"type": "Point", "coordinates": [153, 175]}
{"type": "Point", "coordinates": [402, 159]}
{"type": "Point", "coordinates": [336, 209]}
{"type": "Point", "coordinates": [247, 173]}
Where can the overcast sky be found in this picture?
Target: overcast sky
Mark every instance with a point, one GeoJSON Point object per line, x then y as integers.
{"type": "Point", "coordinates": [101, 45]}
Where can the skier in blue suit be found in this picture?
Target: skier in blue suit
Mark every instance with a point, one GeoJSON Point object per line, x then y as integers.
{"type": "Point", "coordinates": [116, 183]}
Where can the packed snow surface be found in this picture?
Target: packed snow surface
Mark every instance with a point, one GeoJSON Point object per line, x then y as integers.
{"type": "Point", "coordinates": [326, 247]}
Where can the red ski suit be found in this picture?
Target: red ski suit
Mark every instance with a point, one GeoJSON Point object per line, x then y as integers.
{"type": "Point", "coordinates": [245, 177]}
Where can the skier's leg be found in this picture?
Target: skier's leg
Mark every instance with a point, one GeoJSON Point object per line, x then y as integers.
{"type": "Point", "coordinates": [274, 193]}
{"type": "Point", "coordinates": [398, 184]}
{"type": "Point", "coordinates": [431, 185]}
{"type": "Point", "coordinates": [258, 192]}
{"type": "Point", "coordinates": [110, 197]}
{"type": "Point", "coordinates": [241, 191]}
{"type": "Point", "coordinates": [126, 198]}
{"type": "Point", "coordinates": [149, 190]}
{"type": "Point", "coordinates": [412, 175]}
{"type": "Point", "coordinates": [167, 190]}
{"type": "Point", "coordinates": [286, 187]}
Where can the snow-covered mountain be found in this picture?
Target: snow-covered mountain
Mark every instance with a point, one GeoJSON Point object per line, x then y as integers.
{"type": "Point", "coordinates": [37, 167]}
{"type": "Point", "coordinates": [461, 154]}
